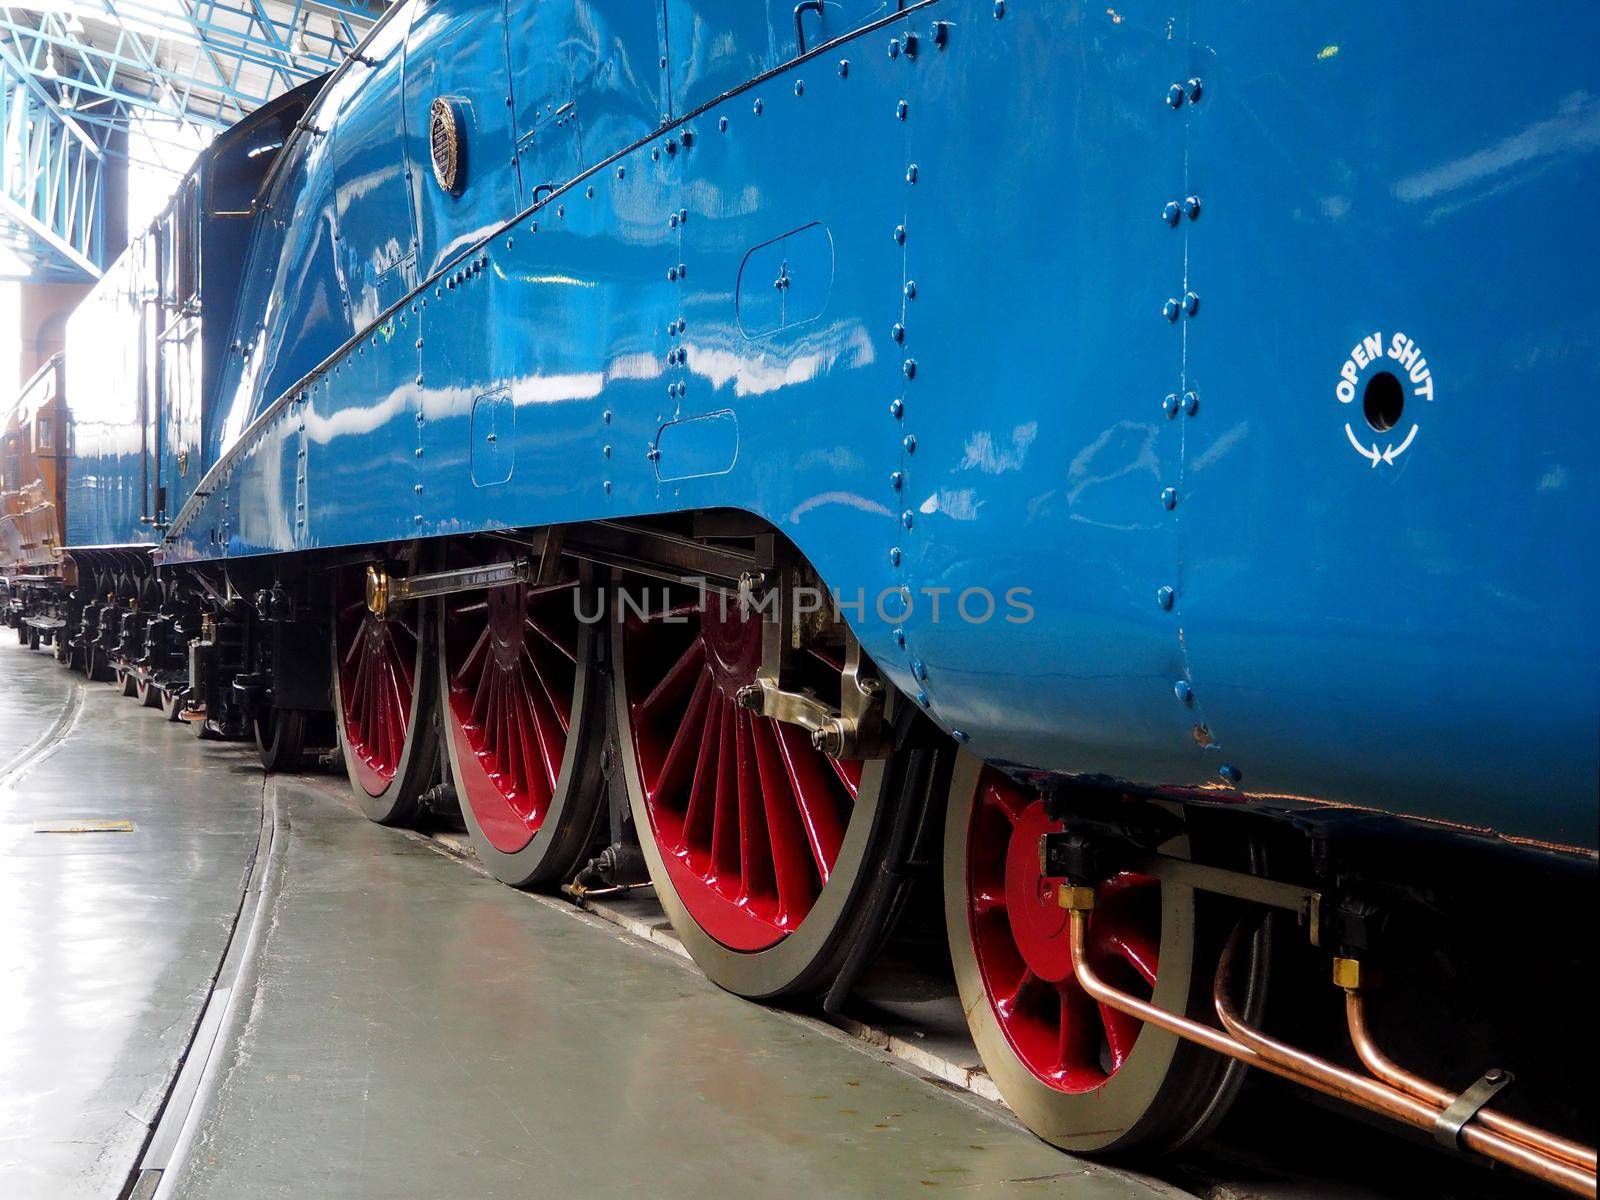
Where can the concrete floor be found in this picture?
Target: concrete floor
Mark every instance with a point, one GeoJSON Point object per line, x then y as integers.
{"type": "Point", "coordinates": [387, 1021]}
{"type": "Point", "coordinates": [108, 940]}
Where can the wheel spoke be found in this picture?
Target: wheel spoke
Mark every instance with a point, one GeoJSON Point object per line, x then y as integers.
{"type": "Point", "coordinates": [676, 765]}
{"type": "Point", "coordinates": [568, 651]}
{"type": "Point", "coordinates": [818, 806]}
{"type": "Point", "coordinates": [675, 680]}
{"type": "Point", "coordinates": [791, 854]}
{"type": "Point", "coordinates": [725, 826]}
{"type": "Point", "coordinates": [473, 661]}
{"type": "Point", "coordinates": [1120, 1030]}
{"type": "Point", "coordinates": [754, 867]}
{"type": "Point", "coordinates": [560, 703]}
{"type": "Point", "coordinates": [696, 831]}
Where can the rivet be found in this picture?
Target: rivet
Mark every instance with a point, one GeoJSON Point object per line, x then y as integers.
{"type": "Point", "coordinates": [898, 333]}
{"type": "Point", "coordinates": [919, 668]}
{"type": "Point", "coordinates": [1170, 213]}
{"type": "Point", "coordinates": [909, 368]}
{"type": "Point", "coordinates": [899, 235]}
{"type": "Point", "coordinates": [672, 391]}
{"type": "Point", "coordinates": [419, 451]}
{"type": "Point", "coordinates": [722, 124]}
{"type": "Point", "coordinates": [894, 47]}
{"type": "Point", "coordinates": [672, 274]}
{"type": "Point", "coordinates": [1183, 692]}
{"type": "Point", "coordinates": [1164, 598]}
{"type": "Point", "coordinates": [902, 110]}
{"type": "Point", "coordinates": [961, 737]}
{"type": "Point", "coordinates": [896, 480]}
{"type": "Point", "coordinates": [999, 9]}
{"type": "Point", "coordinates": [757, 107]}
{"type": "Point", "coordinates": [911, 289]}
{"type": "Point", "coordinates": [1230, 774]}
{"type": "Point", "coordinates": [606, 416]}
{"type": "Point", "coordinates": [419, 380]}
{"type": "Point", "coordinates": [897, 408]}
{"type": "Point", "coordinates": [420, 417]}
{"type": "Point", "coordinates": [941, 33]}
{"type": "Point", "coordinates": [1191, 303]}
{"type": "Point", "coordinates": [1169, 405]}
{"type": "Point", "coordinates": [688, 138]}
{"type": "Point", "coordinates": [607, 486]}
{"type": "Point", "coordinates": [605, 452]}
{"type": "Point", "coordinates": [655, 153]}
{"type": "Point", "coordinates": [894, 556]}
{"type": "Point", "coordinates": [1191, 207]}
{"type": "Point", "coordinates": [672, 221]}
{"type": "Point", "coordinates": [672, 145]}
{"type": "Point", "coordinates": [907, 518]}
{"type": "Point", "coordinates": [1190, 403]}
{"type": "Point", "coordinates": [911, 45]}
{"type": "Point", "coordinates": [1195, 89]}
{"type": "Point", "coordinates": [561, 212]}
{"type": "Point", "coordinates": [622, 172]}
{"type": "Point", "coordinates": [910, 443]}
{"type": "Point", "coordinates": [417, 488]}
{"type": "Point", "coordinates": [653, 454]}
{"type": "Point", "coordinates": [922, 699]}
{"type": "Point", "coordinates": [417, 520]}
{"type": "Point", "coordinates": [1169, 498]}
{"type": "Point", "coordinates": [899, 636]}
{"type": "Point", "coordinates": [683, 216]}
{"type": "Point", "coordinates": [911, 173]}
{"type": "Point", "coordinates": [799, 87]}
{"type": "Point", "coordinates": [1175, 96]}
{"type": "Point", "coordinates": [683, 270]}
{"type": "Point", "coordinates": [844, 68]}
{"type": "Point", "coordinates": [1170, 309]}
{"type": "Point", "coordinates": [589, 191]}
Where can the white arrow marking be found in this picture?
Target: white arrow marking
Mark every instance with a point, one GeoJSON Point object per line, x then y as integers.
{"type": "Point", "coordinates": [1362, 450]}
{"type": "Point", "coordinates": [1394, 452]}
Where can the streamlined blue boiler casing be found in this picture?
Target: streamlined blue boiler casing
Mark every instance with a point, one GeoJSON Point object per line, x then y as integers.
{"type": "Point", "coordinates": [1193, 396]}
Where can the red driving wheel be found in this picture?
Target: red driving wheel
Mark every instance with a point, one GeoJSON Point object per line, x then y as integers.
{"type": "Point", "coordinates": [514, 690]}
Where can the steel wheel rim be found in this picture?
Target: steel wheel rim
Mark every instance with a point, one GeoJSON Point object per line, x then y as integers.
{"type": "Point", "coordinates": [509, 674]}
{"type": "Point", "coordinates": [747, 821]}
{"type": "Point", "coordinates": [1094, 1116]}
{"type": "Point", "coordinates": [376, 663]}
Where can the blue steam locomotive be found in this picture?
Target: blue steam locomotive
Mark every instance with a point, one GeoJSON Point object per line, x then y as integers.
{"type": "Point", "coordinates": [1096, 466]}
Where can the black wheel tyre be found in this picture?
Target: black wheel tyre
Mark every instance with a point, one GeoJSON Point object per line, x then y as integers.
{"type": "Point", "coordinates": [127, 683]}
{"type": "Point", "coordinates": [387, 735]}
{"type": "Point", "coordinates": [851, 911]}
{"type": "Point", "coordinates": [514, 658]}
{"type": "Point", "coordinates": [280, 739]}
{"type": "Point", "coordinates": [1164, 1092]}
{"type": "Point", "coordinates": [95, 667]}
{"type": "Point", "coordinates": [149, 694]}
{"type": "Point", "coordinates": [171, 705]}
{"type": "Point", "coordinates": [33, 638]}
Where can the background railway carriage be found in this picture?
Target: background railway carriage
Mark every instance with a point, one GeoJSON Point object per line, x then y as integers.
{"type": "Point", "coordinates": [1208, 364]}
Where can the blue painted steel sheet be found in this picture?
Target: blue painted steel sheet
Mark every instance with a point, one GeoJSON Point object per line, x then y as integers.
{"type": "Point", "coordinates": [1104, 435]}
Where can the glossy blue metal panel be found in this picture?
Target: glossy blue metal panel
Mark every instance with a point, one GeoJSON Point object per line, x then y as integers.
{"type": "Point", "coordinates": [585, 81]}
{"type": "Point", "coordinates": [715, 47]}
{"type": "Point", "coordinates": [456, 49]}
{"type": "Point", "coordinates": [109, 377]}
{"type": "Point", "coordinates": [377, 248]}
{"type": "Point", "coordinates": [305, 316]}
{"type": "Point", "coordinates": [981, 399]}
{"type": "Point", "coordinates": [1407, 627]}
{"type": "Point", "coordinates": [580, 340]}
{"type": "Point", "coordinates": [1036, 267]}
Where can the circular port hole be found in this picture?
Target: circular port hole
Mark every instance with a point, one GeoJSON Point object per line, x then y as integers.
{"type": "Point", "coordinates": [1383, 401]}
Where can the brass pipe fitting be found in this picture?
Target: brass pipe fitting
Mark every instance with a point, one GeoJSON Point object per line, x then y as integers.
{"type": "Point", "coordinates": [1380, 1064]}
{"type": "Point", "coordinates": [1256, 1049]}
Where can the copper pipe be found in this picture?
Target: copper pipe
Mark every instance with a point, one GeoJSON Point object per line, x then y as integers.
{"type": "Point", "coordinates": [1257, 1050]}
{"type": "Point", "coordinates": [1375, 1060]}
